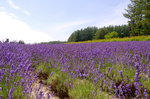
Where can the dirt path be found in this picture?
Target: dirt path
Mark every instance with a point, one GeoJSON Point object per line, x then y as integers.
{"type": "Point", "coordinates": [41, 91]}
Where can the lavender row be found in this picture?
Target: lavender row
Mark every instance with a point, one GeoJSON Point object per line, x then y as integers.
{"type": "Point", "coordinates": [95, 62]}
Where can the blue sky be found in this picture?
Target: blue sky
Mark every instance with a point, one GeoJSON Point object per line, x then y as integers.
{"type": "Point", "coordinates": [48, 20]}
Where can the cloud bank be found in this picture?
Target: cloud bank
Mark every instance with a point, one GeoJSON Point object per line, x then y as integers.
{"type": "Point", "coordinates": [15, 29]}
{"type": "Point", "coordinates": [14, 6]}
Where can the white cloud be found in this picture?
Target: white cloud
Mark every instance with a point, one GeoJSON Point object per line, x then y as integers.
{"type": "Point", "coordinates": [15, 29]}
{"type": "Point", "coordinates": [14, 6]}
{"type": "Point", "coordinates": [11, 3]}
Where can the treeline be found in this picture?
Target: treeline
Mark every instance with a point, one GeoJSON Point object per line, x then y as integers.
{"type": "Point", "coordinates": [8, 41]}
{"type": "Point", "coordinates": [53, 42]}
{"type": "Point", "coordinates": [91, 33]}
{"type": "Point", "coordinates": [83, 34]}
{"type": "Point", "coordinates": [138, 13]}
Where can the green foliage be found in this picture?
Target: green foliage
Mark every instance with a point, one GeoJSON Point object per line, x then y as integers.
{"type": "Point", "coordinates": [83, 34]}
{"type": "Point", "coordinates": [6, 86]}
{"type": "Point", "coordinates": [145, 81]}
{"type": "Point", "coordinates": [7, 82]}
{"type": "Point", "coordinates": [122, 30]}
{"type": "Point", "coordinates": [100, 33]}
{"type": "Point", "coordinates": [57, 82]}
{"type": "Point", "coordinates": [133, 38]}
{"type": "Point", "coordinates": [82, 89]}
{"type": "Point", "coordinates": [54, 78]}
{"type": "Point", "coordinates": [111, 35]}
{"type": "Point", "coordinates": [91, 33]}
{"type": "Point", "coordinates": [139, 17]}
{"type": "Point", "coordinates": [64, 86]}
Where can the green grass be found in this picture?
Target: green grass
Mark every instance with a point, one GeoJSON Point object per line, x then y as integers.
{"type": "Point", "coordinates": [82, 89]}
{"type": "Point", "coordinates": [10, 84]}
{"type": "Point", "coordinates": [145, 81]}
{"type": "Point", "coordinates": [85, 88]}
{"type": "Point", "coordinates": [78, 88]}
{"type": "Point", "coordinates": [134, 38]}
{"type": "Point", "coordinates": [63, 84]}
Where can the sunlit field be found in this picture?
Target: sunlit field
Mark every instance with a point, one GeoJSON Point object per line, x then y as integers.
{"type": "Point", "coordinates": [133, 38]}
{"type": "Point", "coordinates": [107, 70]}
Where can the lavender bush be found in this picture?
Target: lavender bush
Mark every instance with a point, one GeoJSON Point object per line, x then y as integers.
{"type": "Point", "coordinates": [120, 69]}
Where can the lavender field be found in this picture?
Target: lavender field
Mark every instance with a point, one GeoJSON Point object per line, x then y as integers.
{"type": "Point", "coordinates": [110, 70]}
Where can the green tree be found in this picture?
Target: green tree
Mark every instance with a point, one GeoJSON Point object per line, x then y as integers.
{"type": "Point", "coordinates": [100, 33]}
{"type": "Point", "coordinates": [21, 42]}
{"type": "Point", "coordinates": [122, 30]}
{"type": "Point", "coordinates": [91, 33]}
{"type": "Point", "coordinates": [111, 35]}
{"type": "Point", "coordinates": [138, 15]}
{"type": "Point", "coordinates": [146, 21]}
{"type": "Point", "coordinates": [83, 34]}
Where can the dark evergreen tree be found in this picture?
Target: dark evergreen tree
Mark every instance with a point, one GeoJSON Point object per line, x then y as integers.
{"type": "Point", "coordinates": [146, 20]}
{"type": "Point", "coordinates": [83, 34]}
{"type": "Point", "coordinates": [100, 33]}
{"type": "Point", "coordinates": [139, 16]}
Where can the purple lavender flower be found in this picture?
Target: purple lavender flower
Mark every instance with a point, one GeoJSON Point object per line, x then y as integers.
{"type": "Point", "coordinates": [40, 95]}
{"type": "Point", "coordinates": [95, 81]}
{"type": "Point", "coordinates": [51, 73]}
{"type": "Point", "coordinates": [121, 74]}
{"type": "Point", "coordinates": [146, 94]}
{"type": "Point", "coordinates": [10, 95]}
{"type": "Point", "coordinates": [78, 60]}
{"type": "Point", "coordinates": [48, 96]}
